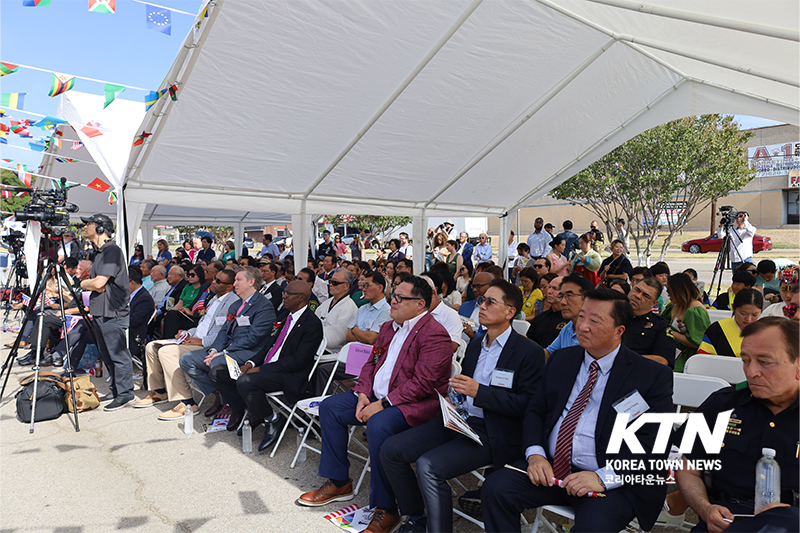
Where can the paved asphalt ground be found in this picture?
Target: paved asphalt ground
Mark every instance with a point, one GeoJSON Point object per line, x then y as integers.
{"type": "Point", "coordinates": [126, 470]}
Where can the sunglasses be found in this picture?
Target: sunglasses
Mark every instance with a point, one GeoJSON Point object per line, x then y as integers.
{"type": "Point", "coordinates": [191, 275]}
{"type": "Point", "coordinates": [337, 283]}
{"type": "Point", "coordinates": [539, 266]}
{"type": "Point", "coordinates": [489, 301]}
{"type": "Point", "coordinates": [221, 282]}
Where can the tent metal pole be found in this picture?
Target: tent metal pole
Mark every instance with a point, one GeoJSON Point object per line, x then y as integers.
{"type": "Point", "coordinates": [708, 20]}
{"type": "Point", "coordinates": [419, 231]}
{"type": "Point", "coordinates": [239, 241]}
{"type": "Point", "coordinates": [502, 246]}
{"type": "Point", "coordinates": [301, 224]}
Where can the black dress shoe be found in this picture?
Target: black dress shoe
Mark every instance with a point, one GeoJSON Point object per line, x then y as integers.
{"type": "Point", "coordinates": [107, 398]}
{"type": "Point", "coordinates": [27, 360]}
{"type": "Point", "coordinates": [271, 433]}
{"type": "Point", "coordinates": [234, 421]}
{"type": "Point", "coordinates": [215, 408]}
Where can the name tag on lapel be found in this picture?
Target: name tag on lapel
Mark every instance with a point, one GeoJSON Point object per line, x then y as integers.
{"type": "Point", "coordinates": [242, 320]}
{"type": "Point", "coordinates": [632, 403]}
{"type": "Point", "coordinates": [220, 320]}
{"type": "Point", "coordinates": [502, 378]}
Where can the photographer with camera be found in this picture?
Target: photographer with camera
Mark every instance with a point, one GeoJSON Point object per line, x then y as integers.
{"type": "Point", "coordinates": [740, 231]}
{"type": "Point", "coordinates": [110, 306]}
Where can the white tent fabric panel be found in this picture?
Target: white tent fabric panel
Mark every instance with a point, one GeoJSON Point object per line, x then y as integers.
{"type": "Point", "coordinates": [446, 108]}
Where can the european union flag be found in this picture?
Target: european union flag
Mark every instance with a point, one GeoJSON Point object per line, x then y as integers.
{"type": "Point", "coordinates": [159, 19]}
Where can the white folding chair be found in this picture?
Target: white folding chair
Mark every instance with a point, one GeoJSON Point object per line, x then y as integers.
{"type": "Point", "coordinates": [461, 351]}
{"type": "Point", "coordinates": [691, 391]}
{"type": "Point", "coordinates": [730, 369]}
{"type": "Point", "coordinates": [277, 398]}
{"type": "Point", "coordinates": [521, 326]}
{"type": "Point", "coordinates": [715, 315]}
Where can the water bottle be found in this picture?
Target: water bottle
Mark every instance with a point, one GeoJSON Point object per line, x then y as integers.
{"type": "Point", "coordinates": [768, 479]}
{"type": "Point", "coordinates": [247, 437]}
{"type": "Point", "coordinates": [301, 457]}
{"type": "Point", "coordinates": [188, 420]}
{"type": "Point", "coordinates": [457, 399]}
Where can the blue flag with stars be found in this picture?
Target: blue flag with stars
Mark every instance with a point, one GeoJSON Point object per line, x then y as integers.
{"type": "Point", "coordinates": [159, 19]}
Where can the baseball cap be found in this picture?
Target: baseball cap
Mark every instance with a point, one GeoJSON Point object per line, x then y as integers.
{"type": "Point", "coordinates": [548, 225]}
{"type": "Point", "coordinates": [100, 220]}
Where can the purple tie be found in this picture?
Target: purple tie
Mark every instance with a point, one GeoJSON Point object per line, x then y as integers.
{"type": "Point", "coordinates": [277, 346]}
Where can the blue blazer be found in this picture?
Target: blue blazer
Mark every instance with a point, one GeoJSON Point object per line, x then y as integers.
{"type": "Point", "coordinates": [630, 372]}
{"type": "Point", "coordinates": [244, 342]}
{"type": "Point", "coordinates": [503, 409]}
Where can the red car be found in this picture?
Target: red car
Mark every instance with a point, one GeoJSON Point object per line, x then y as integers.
{"type": "Point", "coordinates": [712, 243]}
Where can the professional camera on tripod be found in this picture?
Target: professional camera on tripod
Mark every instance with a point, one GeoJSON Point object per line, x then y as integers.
{"type": "Point", "coordinates": [729, 215]}
{"type": "Point", "coordinates": [728, 224]}
{"type": "Point", "coordinates": [51, 209]}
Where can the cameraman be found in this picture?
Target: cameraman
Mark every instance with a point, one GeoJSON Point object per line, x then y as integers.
{"type": "Point", "coordinates": [110, 305]}
{"type": "Point", "coordinates": [741, 239]}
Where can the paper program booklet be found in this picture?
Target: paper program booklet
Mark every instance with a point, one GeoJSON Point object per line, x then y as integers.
{"type": "Point", "coordinates": [233, 367]}
{"type": "Point", "coordinates": [454, 421]}
{"type": "Point", "coordinates": [351, 518]}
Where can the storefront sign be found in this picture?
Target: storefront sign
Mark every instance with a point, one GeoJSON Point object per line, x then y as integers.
{"type": "Point", "coordinates": [774, 159]}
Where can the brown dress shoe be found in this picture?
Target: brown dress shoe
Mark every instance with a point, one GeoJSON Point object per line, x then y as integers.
{"type": "Point", "coordinates": [326, 494]}
{"type": "Point", "coordinates": [234, 421]}
{"type": "Point", "coordinates": [383, 522]}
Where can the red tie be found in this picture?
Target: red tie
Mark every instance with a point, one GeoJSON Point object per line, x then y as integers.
{"type": "Point", "coordinates": [275, 347]}
{"type": "Point", "coordinates": [561, 459]}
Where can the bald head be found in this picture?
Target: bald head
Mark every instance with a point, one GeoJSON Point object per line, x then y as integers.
{"type": "Point", "coordinates": [83, 270]}
{"type": "Point", "coordinates": [480, 282]}
{"type": "Point", "coordinates": [296, 295]}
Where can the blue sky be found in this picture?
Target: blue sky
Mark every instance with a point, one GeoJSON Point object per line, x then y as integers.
{"type": "Point", "coordinates": [66, 38]}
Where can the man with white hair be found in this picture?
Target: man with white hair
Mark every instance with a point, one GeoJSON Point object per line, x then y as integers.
{"type": "Point", "coordinates": [160, 287]}
{"type": "Point", "coordinates": [338, 311]}
{"type": "Point", "coordinates": [483, 250]}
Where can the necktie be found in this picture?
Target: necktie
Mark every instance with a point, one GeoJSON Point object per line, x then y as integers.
{"type": "Point", "coordinates": [275, 347]}
{"type": "Point", "coordinates": [561, 459]}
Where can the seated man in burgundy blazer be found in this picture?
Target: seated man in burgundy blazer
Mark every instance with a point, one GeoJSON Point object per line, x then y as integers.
{"type": "Point", "coordinates": [396, 390]}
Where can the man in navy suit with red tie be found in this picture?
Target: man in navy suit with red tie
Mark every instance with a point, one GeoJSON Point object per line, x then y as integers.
{"type": "Point", "coordinates": [396, 390]}
{"type": "Point", "coordinates": [568, 426]}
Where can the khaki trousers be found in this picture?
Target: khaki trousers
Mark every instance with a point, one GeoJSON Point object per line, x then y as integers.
{"type": "Point", "coordinates": [164, 369]}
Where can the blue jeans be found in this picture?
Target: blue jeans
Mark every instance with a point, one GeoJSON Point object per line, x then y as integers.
{"type": "Point", "coordinates": [336, 414]}
{"type": "Point", "coordinates": [193, 364]}
{"type": "Point", "coordinates": [737, 264]}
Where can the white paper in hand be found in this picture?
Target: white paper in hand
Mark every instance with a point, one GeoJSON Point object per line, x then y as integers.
{"type": "Point", "coordinates": [233, 368]}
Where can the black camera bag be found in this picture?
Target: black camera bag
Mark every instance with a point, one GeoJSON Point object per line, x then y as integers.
{"type": "Point", "coordinates": [50, 398]}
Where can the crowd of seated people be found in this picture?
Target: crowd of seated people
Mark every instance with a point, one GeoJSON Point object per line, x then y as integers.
{"type": "Point", "coordinates": [599, 331]}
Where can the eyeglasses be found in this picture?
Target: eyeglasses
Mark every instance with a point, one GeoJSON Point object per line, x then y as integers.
{"type": "Point", "coordinates": [290, 293]}
{"type": "Point", "coordinates": [365, 286]}
{"type": "Point", "coordinates": [568, 295]}
{"type": "Point", "coordinates": [337, 283]}
{"type": "Point", "coordinates": [479, 285]}
{"type": "Point", "coordinates": [220, 282]}
{"type": "Point", "coordinates": [489, 301]}
{"type": "Point", "coordinates": [537, 265]}
{"type": "Point", "coordinates": [400, 299]}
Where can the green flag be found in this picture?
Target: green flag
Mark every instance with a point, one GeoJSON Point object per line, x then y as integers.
{"type": "Point", "coordinates": [112, 91]}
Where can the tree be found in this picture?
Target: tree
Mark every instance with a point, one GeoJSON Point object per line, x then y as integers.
{"type": "Point", "coordinates": [662, 178]}
{"type": "Point", "coordinates": [10, 205]}
{"type": "Point", "coordinates": [220, 233]}
{"type": "Point", "coordinates": [375, 224]}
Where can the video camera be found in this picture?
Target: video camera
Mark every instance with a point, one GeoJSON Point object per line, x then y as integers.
{"type": "Point", "coordinates": [50, 208]}
{"type": "Point", "coordinates": [15, 239]}
{"type": "Point", "coordinates": [729, 215]}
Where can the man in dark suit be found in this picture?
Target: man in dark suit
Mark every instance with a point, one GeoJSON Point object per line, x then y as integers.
{"type": "Point", "coordinates": [271, 288]}
{"type": "Point", "coordinates": [500, 373]}
{"type": "Point", "coordinates": [568, 426]}
{"type": "Point", "coordinates": [249, 324]}
{"type": "Point", "coordinates": [141, 310]}
{"type": "Point", "coordinates": [396, 389]}
{"type": "Point", "coordinates": [282, 364]}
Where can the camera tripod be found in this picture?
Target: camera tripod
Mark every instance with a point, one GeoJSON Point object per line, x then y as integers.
{"type": "Point", "coordinates": [723, 261]}
{"type": "Point", "coordinates": [13, 285]}
{"type": "Point", "coordinates": [50, 268]}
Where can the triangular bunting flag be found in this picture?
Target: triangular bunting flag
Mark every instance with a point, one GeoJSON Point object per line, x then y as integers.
{"type": "Point", "coordinates": [102, 6]}
{"type": "Point", "coordinates": [7, 68]}
{"type": "Point", "coordinates": [61, 84]}
{"type": "Point", "coordinates": [111, 92]}
{"type": "Point", "coordinates": [92, 129]}
{"type": "Point", "coordinates": [35, 3]}
{"type": "Point", "coordinates": [99, 185]}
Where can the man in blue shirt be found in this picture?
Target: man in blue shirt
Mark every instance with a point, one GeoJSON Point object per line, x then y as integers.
{"type": "Point", "coordinates": [483, 250]}
{"type": "Point", "coordinates": [270, 247]}
{"type": "Point", "coordinates": [572, 294]}
{"type": "Point", "coordinates": [570, 237]}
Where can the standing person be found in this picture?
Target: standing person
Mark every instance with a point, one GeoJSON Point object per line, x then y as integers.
{"type": "Point", "coordinates": [138, 255]}
{"type": "Point", "coordinates": [597, 236]}
{"type": "Point", "coordinates": [405, 247]}
{"type": "Point", "coordinates": [740, 245]}
{"type": "Point", "coordinates": [454, 260]}
{"type": "Point", "coordinates": [622, 234]}
{"type": "Point", "coordinates": [539, 240]}
{"type": "Point", "coordinates": [570, 238]}
{"type": "Point", "coordinates": [464, 248]}
{"type": "Point", "coordinates": [326, 247]}
{"type": "Point", "coordinates": [687, 317]}
{"type": "Point", "coordinates": [356, 248]}
{"type": "Point", "coordinates": [109, 306]}
{"type": "Point", "coordinates": [512, 252]}
{"type": "Point", "coordinates": [617, 265]}
{"type": "Point", "coordinates": [341, 248]}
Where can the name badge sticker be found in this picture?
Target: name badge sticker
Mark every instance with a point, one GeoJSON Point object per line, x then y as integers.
{"type": "Point", "coordinates": [632, 403]}
{"type": "Point", "coordinates": [502, 378]}
{"type": "Point", "coordinates": [220, 320]}
{"type": "Point", "coordinates": [242, 320]}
